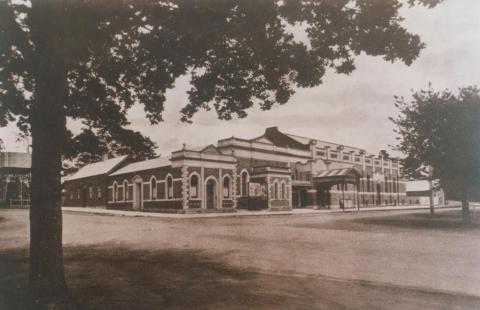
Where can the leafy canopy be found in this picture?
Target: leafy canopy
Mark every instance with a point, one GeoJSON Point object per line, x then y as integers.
{"type": "Point", "coordinates": [115, 53]}
{"type": "Point", "coordinates": [441, 130]}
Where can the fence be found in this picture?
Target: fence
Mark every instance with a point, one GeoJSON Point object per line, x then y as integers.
{"type": "Point", "coordinates": [19, 203]}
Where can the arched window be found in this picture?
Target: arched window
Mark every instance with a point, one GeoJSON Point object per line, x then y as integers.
{"type": "Point", "coordinates": [194, 186]}
{"type": "Point", "coordinates": [244, 183]}
{"type": "Point", "coordinates": [226, 186]}
{"type": "Point", "coordinates": [275, 190]}
{"type": "Point", "coordinates": [284, 191]}
{"type": "Point", "coordinates": [115, 191]}
{"type": "Point", "coordinates": [169, 187]}
{"type": "Point", "coordinates": [153, 185]}
{"type": "Point", "coordinates": [125, 190]}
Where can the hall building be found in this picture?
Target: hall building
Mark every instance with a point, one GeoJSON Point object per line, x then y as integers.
{"type": "Point", "coordinates": [275, 171]}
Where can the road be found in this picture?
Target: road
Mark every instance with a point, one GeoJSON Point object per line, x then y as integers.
{"type": "Point", "coordinates": [403, 253]}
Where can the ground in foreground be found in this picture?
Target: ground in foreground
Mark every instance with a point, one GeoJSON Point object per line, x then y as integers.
{"type": "Point", "coordinates": [257, 263]}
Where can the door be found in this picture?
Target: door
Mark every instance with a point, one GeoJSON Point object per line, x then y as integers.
{"type": "Point", "coordinates": [379, 195]}
{"type": "Point", "coordinates": [138, 196]}
{"type": "Point", "coordinates": [211, 190]}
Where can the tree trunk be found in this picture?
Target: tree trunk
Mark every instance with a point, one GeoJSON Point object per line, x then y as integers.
{"type": "Point", "coordinates": [431, 198]}
{"type": "Point", "coordinates": [47, 286]}
{"type": "Point", "coordinates": [465, 208]}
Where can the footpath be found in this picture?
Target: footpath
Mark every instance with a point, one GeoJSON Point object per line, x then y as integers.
{"type": "Point", "coordinates": [240, 212]}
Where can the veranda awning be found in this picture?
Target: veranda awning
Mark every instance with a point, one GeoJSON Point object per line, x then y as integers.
{"type": "Point", "coordinates": [337, 175]}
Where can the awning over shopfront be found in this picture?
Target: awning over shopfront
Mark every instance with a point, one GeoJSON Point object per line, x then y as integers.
{"type": "Point", "coordinates": [333, 176]}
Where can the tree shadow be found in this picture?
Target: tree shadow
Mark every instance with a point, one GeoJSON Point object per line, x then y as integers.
{"type": "Point", "coordinates": [111, 277]}
{"type": "Point", "coordinates": [450, 220]}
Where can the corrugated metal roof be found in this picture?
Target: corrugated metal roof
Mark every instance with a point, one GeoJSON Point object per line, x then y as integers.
{"type": "Point", "coordinates": [335, 172]}
{"type": "Point", "coordinates": [102, 167]}
{"type": "Point", "coordinates": [321, 143]}
{"type": "Point", "coordinates": [302, 140]}
{"type": "Point", "coordinates": [144, 165]}
{"type": "Point", "coordinates": [15, 160]}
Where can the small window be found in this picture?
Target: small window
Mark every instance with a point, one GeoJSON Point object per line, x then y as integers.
{"type": "Point", "coordinates": [115, 191]}
{"type": "Point", "coordinates": [194, 186]}
{"type": "Point", "coordinates": [169, 187]}
{"type": "Point", "coordinates": [153, 185]}
{"type": "Point", "coordinates": [99, 192]}
{"type": "Point", "coordinates": [90, 192]}
{"type": "Point", "coordinates": [226, 187]}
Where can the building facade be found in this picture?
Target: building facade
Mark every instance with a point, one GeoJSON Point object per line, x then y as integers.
{"type": "Point", "coordinates": [276, 171]}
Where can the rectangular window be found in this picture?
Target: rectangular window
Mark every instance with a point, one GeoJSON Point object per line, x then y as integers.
{"type": "Point", "coordinates": [320, 153]}
{"type": "Point", "coordinates": [99, 192]}
{"type": "Point", "coordinates": [357, 159]}
{"type": "Point", "coordinates": [333, 155]}
{"type": "Point", "coordinates": [90, 192]}
{"type": "Point", "coordinates": [346, 157]}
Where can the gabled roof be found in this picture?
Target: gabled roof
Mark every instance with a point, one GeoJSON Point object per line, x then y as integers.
{"type": "Point", "coordinates": [144, 165]}
{"type": "Point", "coordinates": [98, 168]}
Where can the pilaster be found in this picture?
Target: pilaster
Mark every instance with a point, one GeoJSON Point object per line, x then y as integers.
{"type": "Point", "coordinates": [185, 186]}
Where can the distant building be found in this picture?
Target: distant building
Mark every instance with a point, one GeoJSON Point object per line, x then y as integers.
{"type": "Point", "coordinates": [15, 178]}
{"type": "Point", "coordinates": [418, 193]}
{"type": "Point", "coordinates": [276, 171]}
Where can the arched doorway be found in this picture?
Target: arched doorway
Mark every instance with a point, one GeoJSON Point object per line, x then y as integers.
{"type": "Point", "coordinates": [137, 193]}
{"type": "Point", "coordinates": [211, 193]}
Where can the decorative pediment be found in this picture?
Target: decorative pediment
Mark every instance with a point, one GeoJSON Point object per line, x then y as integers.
{"type": "Point", "coordinates": [211, 149]}
{"type": "Point", "coordinates": [263, 139]}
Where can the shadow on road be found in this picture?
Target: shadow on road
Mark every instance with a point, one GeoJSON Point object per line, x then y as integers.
{"type": "Point", "coordinates": [110, 277]}
{"type": "Point", "coordinates": [451, 220]}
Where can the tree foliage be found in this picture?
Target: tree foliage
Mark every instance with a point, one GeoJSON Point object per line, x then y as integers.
{"type": "Point", "coordinates": [441, 130]}
{"type": "Point", "coordinates": [239, 53]}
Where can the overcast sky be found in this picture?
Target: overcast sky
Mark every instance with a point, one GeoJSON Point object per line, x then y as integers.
{"type": "Point", "coordinates": [352, 110]}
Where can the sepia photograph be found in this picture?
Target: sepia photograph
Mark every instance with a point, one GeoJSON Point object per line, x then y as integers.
{"type": "Point", "coordinates": [239, 154]}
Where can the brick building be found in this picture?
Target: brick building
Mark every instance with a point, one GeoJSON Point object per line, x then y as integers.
{"type": "Point", "coordinates": [88, 186]}
{"type": "Point", "coordinates": [276, 171]}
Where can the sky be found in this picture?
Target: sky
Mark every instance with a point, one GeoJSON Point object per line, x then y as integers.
{"type": "Point", "coordinates": [351, 110]}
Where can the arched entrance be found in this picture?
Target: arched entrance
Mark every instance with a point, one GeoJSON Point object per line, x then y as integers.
{"type": "Point", "coordinates": [137, 193]}
{"type": "Point", "coordinates": [211, 196]}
